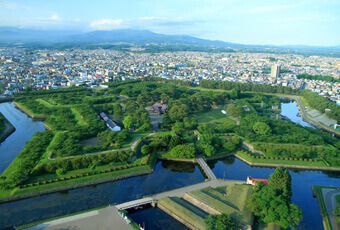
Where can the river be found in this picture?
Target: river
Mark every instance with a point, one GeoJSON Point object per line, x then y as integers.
{"type": "Point", "coordinates": [166, 176]}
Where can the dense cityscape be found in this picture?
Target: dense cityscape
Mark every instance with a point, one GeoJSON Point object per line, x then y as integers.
{"type": "Point", "coordinates": [22, 69]}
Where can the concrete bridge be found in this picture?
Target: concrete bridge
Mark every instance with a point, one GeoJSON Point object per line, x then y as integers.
{"type": "Point", "coordinates": [152, 199]}
{"type": "Point", "coordinates": [206, 169]}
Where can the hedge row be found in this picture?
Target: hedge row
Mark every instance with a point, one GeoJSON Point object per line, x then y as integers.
{"type": "Point", "coordinates": [91, 173]}
{"type": "Point", "coordinates": [280, 158]}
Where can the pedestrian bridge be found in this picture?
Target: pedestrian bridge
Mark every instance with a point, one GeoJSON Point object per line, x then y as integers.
{"type": "Point", "coordinates": [176, 193]}
{"type": "Point", "coordinates": [206, 169]}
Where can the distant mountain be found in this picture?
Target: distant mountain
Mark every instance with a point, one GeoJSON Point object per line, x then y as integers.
{"type": "Point", "coordinates": [10, 36]}
{"type": "Point", "coordinates": [141, 37]}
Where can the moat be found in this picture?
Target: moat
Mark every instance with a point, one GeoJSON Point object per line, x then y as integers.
{"type": "Point", "coordinates": [166, 176]}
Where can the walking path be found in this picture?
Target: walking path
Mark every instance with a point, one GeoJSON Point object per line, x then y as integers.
{"type": "Point", "coordinates": [330, 202]}
{"type": "Point", "coordinates": [104, 219]}
{"type": "Point", "coordinates": [177, 192]}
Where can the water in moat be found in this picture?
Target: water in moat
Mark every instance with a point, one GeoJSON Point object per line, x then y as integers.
{"type": "Point", "coordinates": [302, 183]}
{"type": "Point", "coordinates": [290, 110]}
{"type": "Point", "coordinates": [166, 176]}
{"type": "Point", "coordinates": [25, 128]}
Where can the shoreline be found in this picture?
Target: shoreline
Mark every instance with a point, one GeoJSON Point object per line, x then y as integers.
{"type": "Point", "coordinates": [72, 187]}
{"type": "Point", "coordinates": [96, 182]}
{"type": "Point", "coordinates": [306, 118]}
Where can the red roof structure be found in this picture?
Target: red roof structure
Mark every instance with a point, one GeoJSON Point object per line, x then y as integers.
{"type": "Point", "coordinates": [254, 181]}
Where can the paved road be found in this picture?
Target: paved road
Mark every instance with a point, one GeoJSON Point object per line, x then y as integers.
{"type": "Point", "coordinates": [177, 192]}
{"type": "Point", "coordinates": [102, 219]}
{"type": "Point", "coordinates": [330, 202]}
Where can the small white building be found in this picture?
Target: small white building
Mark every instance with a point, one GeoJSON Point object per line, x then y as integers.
{"type": "Point", "coordinates": [110, 123]}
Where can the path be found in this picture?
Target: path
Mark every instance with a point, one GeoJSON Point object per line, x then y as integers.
{"type": "Point", "coordinates": [106, 218]}
{"type": "Point", "coordinates": [206, 169]}
{"type": "Point", "coordinates": [177, 192]}
{"type": "Point", "coordinates": [330, 202]}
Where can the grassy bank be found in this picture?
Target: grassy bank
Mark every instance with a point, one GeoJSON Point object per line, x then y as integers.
{"type": "Point", "coordinates": [182, 213]}
{"type": "Point", "coordinates": [299, 164]}
{"type": "Point", "coordinates": [29, 112]}
{"type": "Point", "coordinates": [21, 193]}
{"type": "Point", "coordinates": [317, 190]}
{"type": "Point", "coordinates": [6, 128]}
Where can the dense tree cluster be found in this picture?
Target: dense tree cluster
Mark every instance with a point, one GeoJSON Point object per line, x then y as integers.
{"type": "Point", "coordinates": [222, 222]}
{"type": "Point", "coordinates": [317, 77]}
{"type": "Point", "coordinates": [80, 162]}
{"type": "Point", "coordinates": [246, 87]}
{"type": "Point", "coordinates": [25, 162]}
{"type": "Point", "coordinates": [321, 104]}
{"type": "Point", "coordinates": [272, 203]}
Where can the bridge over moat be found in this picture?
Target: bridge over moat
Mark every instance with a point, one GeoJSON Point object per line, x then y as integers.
{"type": "Point", "coordinates": [152, 199]}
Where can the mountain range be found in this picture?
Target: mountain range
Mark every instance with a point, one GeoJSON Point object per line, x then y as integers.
{"type": "Point", "coordinates": [10, 36]}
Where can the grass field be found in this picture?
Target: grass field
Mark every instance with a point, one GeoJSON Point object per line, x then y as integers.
{"type": "Point", "coordinates": [79, 118]}
{"type": "Point", "coordinates": [188, 214]}
{"type": "Point", "coordinates": [212, 115]}
{"type": "Point", "coordinates": [230, 200]}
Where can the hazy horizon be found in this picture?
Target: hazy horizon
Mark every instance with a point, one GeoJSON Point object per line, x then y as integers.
{"type": "Point", "coordinates": [261, 22]}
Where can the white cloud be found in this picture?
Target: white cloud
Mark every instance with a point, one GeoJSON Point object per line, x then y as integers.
{"type": "Point", "coordinates": [107, 24]}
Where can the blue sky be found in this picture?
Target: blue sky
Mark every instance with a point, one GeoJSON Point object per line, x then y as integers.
{"type": "Point", "coordinates": [308, 22]}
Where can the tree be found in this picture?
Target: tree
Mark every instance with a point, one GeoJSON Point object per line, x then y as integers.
{"type": "Point", "coordinates": [272, 203]}
{"type": "Point", "coordinates": [207, 149]}
{"type": "Point", "coordinates": [146, 149]}
{"type": "Point", "coordinates": [178, 112]}
{"type": "Point", "coordinates": [127, 122]}
{"type": "Point", "coordinates": [185, 151]}
{"type": "Point", "coordinates": [60, 172]}
{"type": "Point", "coordinates": [261, 128]}
{"type": "Point", "coordinates": [221, 222]}
{"type": "Point", "coordinates": [235, 93]}
{"type": "Point", "coordinates": [234, 110]}
{"type": "Point", "coordinates": [281, 182]}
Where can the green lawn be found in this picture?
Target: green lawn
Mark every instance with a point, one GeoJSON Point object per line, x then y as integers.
{"type": "Point", "coordinates": [212, 115]}
{"type": "Point", "coordinates": [230, 200]}
{"type": "Point", "coordinates": [79, 118]}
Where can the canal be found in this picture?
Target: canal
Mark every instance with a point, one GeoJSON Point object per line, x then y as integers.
{"type": "Point", "coordinates": [166, 176]}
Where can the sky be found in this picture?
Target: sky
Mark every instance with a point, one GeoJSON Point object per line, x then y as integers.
{"type": "Point", "coordinates": [277, 22]}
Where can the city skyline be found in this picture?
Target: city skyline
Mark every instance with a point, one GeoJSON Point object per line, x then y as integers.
{"type": "Point", "coordinates": [258, 22]}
